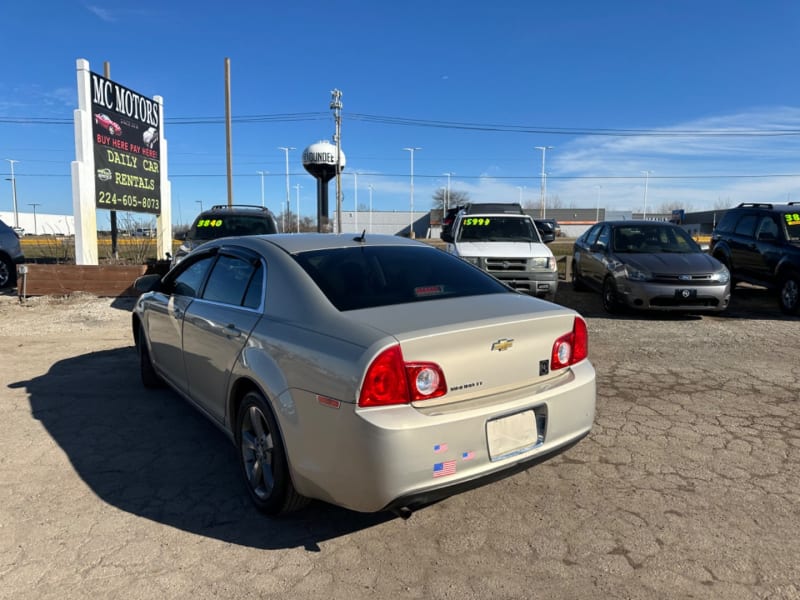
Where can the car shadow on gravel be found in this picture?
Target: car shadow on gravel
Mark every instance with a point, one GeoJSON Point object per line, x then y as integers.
{"type": "Point", "coordinates": [151, 454]}
{"type": "Point", "coordinates": [747, 302]}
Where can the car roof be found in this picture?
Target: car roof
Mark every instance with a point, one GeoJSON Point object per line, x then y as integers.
{"type": "Point", "coordinates": [236, 208]}
{"type": "Point", "coordinates": [305, 242]}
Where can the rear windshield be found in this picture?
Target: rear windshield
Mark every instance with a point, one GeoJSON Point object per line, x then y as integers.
{"type": "Point", "coordinates": [226, 225]}
{"type": "Point", "coordinates": [371, 276]}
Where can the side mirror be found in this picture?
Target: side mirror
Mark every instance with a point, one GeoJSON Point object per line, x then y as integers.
{"type": "Point", "coordinates": [147, 283]}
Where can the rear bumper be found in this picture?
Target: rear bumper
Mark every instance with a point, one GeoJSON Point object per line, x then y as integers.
{"type": "Point", "coordinates": [393, 457]}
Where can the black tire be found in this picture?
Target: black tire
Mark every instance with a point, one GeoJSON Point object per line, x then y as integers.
{"type": "Point", "coordinates": [609, 295]}
{"type": "Point", "coordinates": [262, 458]}
{"type": "Point", "coordinates": [8, 273]}
{"type": "Point", "coordinates": [150, 379]}
{"type": "Point", "coordinates": [789, 293]}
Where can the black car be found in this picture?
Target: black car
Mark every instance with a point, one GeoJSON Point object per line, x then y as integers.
{"type": "Point", "coordinates": [225, 221]}
{"type": "Point", "coordinates": [548, 229]}
{"type": "Point", "coordinates": [760, 244]}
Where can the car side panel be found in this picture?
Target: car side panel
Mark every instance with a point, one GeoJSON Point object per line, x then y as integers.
{"type": "Point", "coordinates": [213, 336]}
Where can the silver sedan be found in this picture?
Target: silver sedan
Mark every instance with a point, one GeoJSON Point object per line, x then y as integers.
{"type": "Point", "coordinates": [649, 265]}
{"type": "Point", "coordinates": [371, 372]}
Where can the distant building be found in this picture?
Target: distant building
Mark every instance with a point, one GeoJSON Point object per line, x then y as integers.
{"type": "Point", "coordinates": [41, 223]}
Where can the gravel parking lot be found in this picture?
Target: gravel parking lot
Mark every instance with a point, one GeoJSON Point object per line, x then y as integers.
{"type": "Point", "coordinates": [687, 487]}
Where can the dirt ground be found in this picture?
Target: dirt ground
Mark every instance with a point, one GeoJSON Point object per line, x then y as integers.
{"type": "Point", "coordinates": [687, 487]}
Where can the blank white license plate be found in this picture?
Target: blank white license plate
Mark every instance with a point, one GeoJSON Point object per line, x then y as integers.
{"type": "Point", "coordinates": [512, 433]}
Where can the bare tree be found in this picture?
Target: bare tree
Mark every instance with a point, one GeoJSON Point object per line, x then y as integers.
{"type": "Point", "coordinates": [668, 207]}
{"type": "Point", "coordinates": [456, 198]}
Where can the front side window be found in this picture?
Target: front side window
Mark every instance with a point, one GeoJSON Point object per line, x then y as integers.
{"type": "Point", "coordinates": [190, 278]}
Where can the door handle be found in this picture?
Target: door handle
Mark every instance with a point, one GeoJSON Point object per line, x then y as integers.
{"type": "Point", "coordinates": [231, 331]}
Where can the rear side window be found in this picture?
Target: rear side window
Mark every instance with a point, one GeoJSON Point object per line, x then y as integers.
{"type": "Point", "coordinates": [371, 276]}
{"type": "Point", "coordinates": [746, 225]}
{"type": "Point", "coordinates": [728, 222]}
{"type": "Point", "coordinates": [230, 281]}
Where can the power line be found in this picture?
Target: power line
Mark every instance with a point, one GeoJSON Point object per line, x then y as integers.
{"type": "Point", "coordinates": [430, 123]}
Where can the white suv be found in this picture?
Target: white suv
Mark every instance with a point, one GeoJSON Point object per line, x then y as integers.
{"type": "Point", "coordinates": [508, 246]}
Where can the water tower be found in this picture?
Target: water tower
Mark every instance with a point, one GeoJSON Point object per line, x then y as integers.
{"type": "Point", "coordinates": [320, 160]}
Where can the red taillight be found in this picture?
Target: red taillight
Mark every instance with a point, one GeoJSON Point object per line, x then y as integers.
{"type": "Point", "coordinates": [390, 380]}
{"type": "Point", "coordinates": [571, 347]}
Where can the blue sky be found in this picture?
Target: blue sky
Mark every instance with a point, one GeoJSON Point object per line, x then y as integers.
{"type": "Point", "coordinates": [703, 94]}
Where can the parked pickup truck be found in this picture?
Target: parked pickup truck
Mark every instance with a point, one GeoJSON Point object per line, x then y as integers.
{"type": "Point", "coordinates": [505, 245]}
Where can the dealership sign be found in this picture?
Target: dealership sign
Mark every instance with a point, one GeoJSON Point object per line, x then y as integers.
{"type": "Point", "coordinates": [125, 134]}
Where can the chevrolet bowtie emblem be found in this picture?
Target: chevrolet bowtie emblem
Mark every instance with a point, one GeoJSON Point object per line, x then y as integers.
{"type": "Point", "coordinates": [501, 345]}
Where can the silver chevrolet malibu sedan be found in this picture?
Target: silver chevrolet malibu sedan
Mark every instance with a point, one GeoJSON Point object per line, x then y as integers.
{"type": "Point", "coordinates": [372, 372]}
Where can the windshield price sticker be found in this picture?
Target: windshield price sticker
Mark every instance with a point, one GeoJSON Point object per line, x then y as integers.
{"type": "Point", "coordinates": [792, 219]}
{"type": "Point", "coordinates": [473, 221]}
{"type": "Point", "coordinates": [209, 223]}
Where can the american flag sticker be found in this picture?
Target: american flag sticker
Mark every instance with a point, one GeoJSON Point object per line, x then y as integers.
{"type": "Point", "coordinates": [443, 469]}
{"type": "Point", "coordinates": [439, 448]}
{"type": "Point", "coordinates": [467, 455]}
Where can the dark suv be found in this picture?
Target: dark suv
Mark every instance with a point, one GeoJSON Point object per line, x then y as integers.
{"type": "Point", "coordinates": [760, 244]}
{"type": "Point", "coordinates": [10, 255]}
{"type": "Point", "coordinates": [224, 221]}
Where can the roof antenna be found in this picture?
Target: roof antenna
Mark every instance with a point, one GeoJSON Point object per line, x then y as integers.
{"type": "Point", "coordinates": [361, 238]}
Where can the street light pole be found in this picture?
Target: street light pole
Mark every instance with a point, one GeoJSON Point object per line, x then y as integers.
{"type": "Point", "coordinates": [370, 208]}
{"type": "Point", "coordinates": [597, 213]}
{"type": "Point", "coordinates": [34, 205]}
{"type": "Point", "coordinates": [447, 196]}
{"type": "Point", "coordinates": [262, 173]}
{"type": "Point", "coordinates": [14, 192]}
{"type": "Point", "coordinates": [544, 150]}
{"type": "Point", "coordinates": [646, 178]}
{"type": "Point", "coordinates": [411, 216]}
{"type": "Point", "coordinates": [355, 202]}
{"type": "Point", "coordinates": [297, 188]}
{"type": "Point", "coordinates": [200, 202]}
{"type": "Point", "coordinates": [286, 151]}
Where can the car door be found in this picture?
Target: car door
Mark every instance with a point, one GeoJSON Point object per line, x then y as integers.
{"type": "Point", "coordinates": [165, 316]}
{"type": "Point", "coordinates": [595, 261]}
{"type": "Point", "coordinates": [218, 324]}
{"type": "Point", "coordinates": [743, 245]}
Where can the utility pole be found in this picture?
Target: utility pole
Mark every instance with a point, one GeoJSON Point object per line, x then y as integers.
{"type": "Point", "coordinates": [336, 107]}
{"type": "Point", "coordinates": [228, 128]}
{"type": "Point", "coordinates": [355, 201]}
{"type": "Point", "coordinates": [14, 191]}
